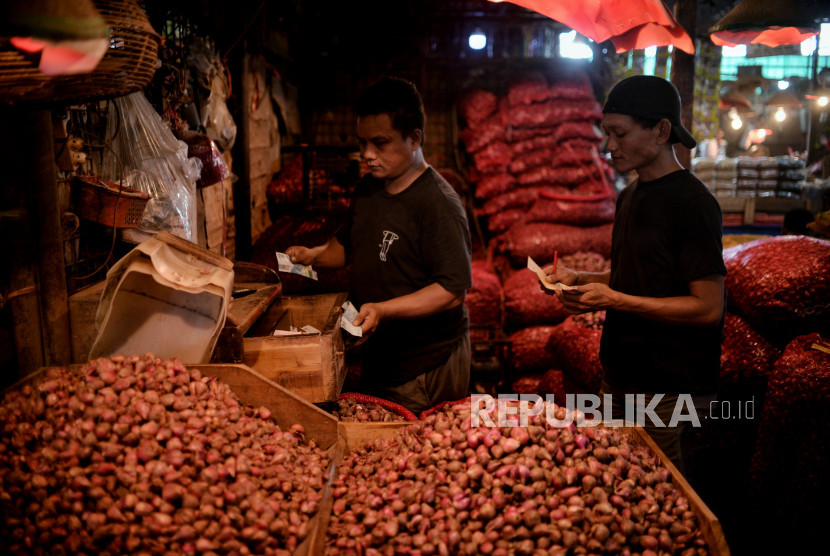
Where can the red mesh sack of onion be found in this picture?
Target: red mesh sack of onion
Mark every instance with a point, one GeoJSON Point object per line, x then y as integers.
{"type": "Point", "coordinates": [577, 349]}
{"type": "Point", "coordinates": [792, 454]}
{"type": "Point", "coordinates": [745, 354]}
{"type": "Point", "coordinates": [529, 351]}
{"type": "Point", "coordinates": [781, 285]}
{"type": "Point", "coordinates": [526, 304]}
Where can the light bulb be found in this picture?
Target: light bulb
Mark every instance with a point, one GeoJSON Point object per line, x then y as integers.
{"type": "Point", "coordinates": [823, 101]}
{"type": "Point", "coordinates": [737, 123]}
{"type": "Point", "coordinates": [477, 40]}
{"type": "Point", "coordinates": [780, 115]}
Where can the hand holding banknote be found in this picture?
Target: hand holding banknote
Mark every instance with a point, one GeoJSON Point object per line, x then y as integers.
{"type": "Point", "coordinates": [300, 255]}
{"type": "Point", "coordinates": [285, 264]}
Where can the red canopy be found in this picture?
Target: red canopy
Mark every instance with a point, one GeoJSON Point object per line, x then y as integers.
{"type": "Point", "coordinates": [629, 24]}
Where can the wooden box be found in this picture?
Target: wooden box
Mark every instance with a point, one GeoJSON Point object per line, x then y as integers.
{"type": "Point", "coordinates": [708, 522]}
{"type": "Point", "coordinates": [286, 409]}
{"type": "Point", "coordinates": [308, 364]}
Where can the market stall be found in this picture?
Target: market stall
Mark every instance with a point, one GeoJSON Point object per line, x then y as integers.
{"type": "Point", "coordinates": [174, 382]}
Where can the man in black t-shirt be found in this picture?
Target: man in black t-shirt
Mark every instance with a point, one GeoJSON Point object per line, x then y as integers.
{"type": "Point", "coordinates": [407, 242]}
{"type": "Point", "coordinates": [664, 293]}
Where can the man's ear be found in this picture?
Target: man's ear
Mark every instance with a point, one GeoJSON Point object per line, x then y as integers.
{"type": "Point", "coordinates": [417, 137]}
{"type": "Point", "coordinates": [664, 129]}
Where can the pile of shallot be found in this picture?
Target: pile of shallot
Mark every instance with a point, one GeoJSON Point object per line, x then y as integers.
{"type": "Point", "coordinates": [138, 454]}
{"type": "Point", "coordinates": [443, 486]}
{"type": "Point", "coordinates": [351, 410]}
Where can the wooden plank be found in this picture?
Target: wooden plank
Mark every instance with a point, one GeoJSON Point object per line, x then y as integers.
{"type": "Point", "coordinates": [194, 250]}
{"type": "Point", "coordinates": [83, 305]}
{"type": "Point", "coordinates": [359, 434]}
{"type": "Point", "coordinates": [315, 542]}
{"type": "Point", "coordinates": [286, 407]}
{"type": "Point", "coordinates": [244, 311]}
{"type": "Point", "coordinates": [709, 524]}
{"type": "Point", "coordinates": [749, 211]}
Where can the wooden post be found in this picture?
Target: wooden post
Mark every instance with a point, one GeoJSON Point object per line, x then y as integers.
{"type": "Point", "coordinates": [37, 152]}
{"type": "Point", "coordinates": [18, 273]}
{"type": "Point", "coordinates": [242, 152]}
{"type": "Point", "coordinates": [683, 72]}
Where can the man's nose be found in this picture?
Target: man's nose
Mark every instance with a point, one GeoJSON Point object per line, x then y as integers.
{"type": "Point", "coordinates": [368, 153]}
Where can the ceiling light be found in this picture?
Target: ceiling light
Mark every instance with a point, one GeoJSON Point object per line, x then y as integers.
{"type": "Point", "coordinates": [477, 39]}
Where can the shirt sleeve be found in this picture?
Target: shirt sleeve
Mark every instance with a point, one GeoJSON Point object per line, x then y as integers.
{"type": "Point", "coordinates": [447, 247]}
{"type": "Point", "coordinates": [702, 247]}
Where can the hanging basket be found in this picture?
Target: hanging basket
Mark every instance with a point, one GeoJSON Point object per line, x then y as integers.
{"type": "Point", "coordinates": [107, 203]}
{"type": "Point", "coordinates": [128, 65]}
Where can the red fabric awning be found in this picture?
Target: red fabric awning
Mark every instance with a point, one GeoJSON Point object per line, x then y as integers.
{"type": "Point", "coordinates": [628, 24]}
{"type": "Point", "coordinates": [774, 36]}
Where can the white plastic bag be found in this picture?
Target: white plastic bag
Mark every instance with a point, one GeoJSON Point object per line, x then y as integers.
{"type": "Point", "coordinates": [155, 162]}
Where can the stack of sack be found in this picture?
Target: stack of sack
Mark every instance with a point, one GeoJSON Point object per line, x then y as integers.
{"type": "Point", "coordinates": [540, 186]}
{"type": "Point", "coordinates": [775, 381]}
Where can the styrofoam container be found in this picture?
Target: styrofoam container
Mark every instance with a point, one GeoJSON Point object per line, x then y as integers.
{"type": "Point", "coordinates": [167, 296]}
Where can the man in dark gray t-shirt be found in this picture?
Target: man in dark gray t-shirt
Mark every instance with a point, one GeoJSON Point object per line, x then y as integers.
{"type": "Point", "coordinates": [407, 242]}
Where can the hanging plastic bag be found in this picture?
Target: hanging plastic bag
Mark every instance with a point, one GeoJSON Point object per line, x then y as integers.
{"type": "Point", "coordinates": [148, 157]}
{"type": "Point", "coordinates": [209, 73]}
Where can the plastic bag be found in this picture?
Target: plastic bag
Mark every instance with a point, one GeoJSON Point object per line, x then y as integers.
{"type": "Point", "coordinates": [210, 76]}
{"type": "Point", "coordinates": [202, 147]}
{"type": "Point", "coordinates": [148, 157]}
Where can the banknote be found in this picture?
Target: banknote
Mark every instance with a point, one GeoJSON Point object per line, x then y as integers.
{"type": "Point", "coordinates": [284, 264]}
{"type": "Point", "coordinates": [536, 269]}
{"type": "Point", "coordinates": [349, 314]}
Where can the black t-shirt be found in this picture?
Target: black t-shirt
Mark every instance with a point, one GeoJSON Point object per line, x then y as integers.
{"type": "Point", "coordinates": [397, 245]}
{"type": "Point", "coordinates": [667, 233]}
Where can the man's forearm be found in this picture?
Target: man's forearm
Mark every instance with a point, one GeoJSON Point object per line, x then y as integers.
{"type": "Point", "coordinates": [329, 255]}
{"type": "Point", "coordinates": [583, 277]}
{"type": "Point", "coordinates": [703, 307]}
{"type": "Point", "coordinates": [422, 303]}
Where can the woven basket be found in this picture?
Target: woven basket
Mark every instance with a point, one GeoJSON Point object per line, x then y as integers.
{"type": "Point", "coordinates": [128, 65]}
{"type": "Point", "coordinates": [101, 201]}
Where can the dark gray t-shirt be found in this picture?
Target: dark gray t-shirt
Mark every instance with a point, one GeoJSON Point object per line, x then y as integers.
{"type": "Point", "coordinates": [667, 233]}
{"type": "Point", "coordinates": [397, 245]}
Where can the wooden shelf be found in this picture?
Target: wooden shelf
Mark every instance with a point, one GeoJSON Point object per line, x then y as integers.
{"type": "Point", "coordinates": [750, 205]}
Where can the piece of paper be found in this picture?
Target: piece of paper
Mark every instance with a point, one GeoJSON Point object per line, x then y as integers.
{"type": "Point", "coordinates": [536, 269]}
{"type": "Point", "coordinates": [294, 331]}
{"type": "Point", "coordinates": [284, 264]}
{"type": "Point", "coordinates": [349, 314]}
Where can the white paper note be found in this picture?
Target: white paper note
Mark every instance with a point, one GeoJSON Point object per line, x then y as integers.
{"type": "Point", "coordinates": [536, 269]}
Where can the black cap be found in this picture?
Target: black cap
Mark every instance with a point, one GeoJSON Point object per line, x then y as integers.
{"type": "Point", "coordinates": [652, 98]}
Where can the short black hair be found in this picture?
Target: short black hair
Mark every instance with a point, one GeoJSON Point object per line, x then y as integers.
{"type": "Point", "coordinates": [397, 97]}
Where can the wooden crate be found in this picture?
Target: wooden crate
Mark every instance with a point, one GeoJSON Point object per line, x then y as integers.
{"type": "Point", "coordinates": [709, 524]}
{"type": "Point", "coordinates": [287, 408]}
{"type": "Point", "coordinates": [311, 365]}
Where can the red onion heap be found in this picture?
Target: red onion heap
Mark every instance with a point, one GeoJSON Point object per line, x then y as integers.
{"type": "Point", "coordinates": [137, 454]}
{"type": "Point", "coordinates": [444, 487]}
